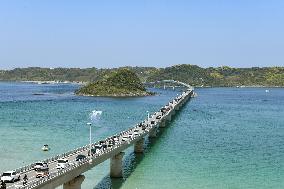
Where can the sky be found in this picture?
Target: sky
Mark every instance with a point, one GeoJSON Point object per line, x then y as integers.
{"type": "Point", "coordinates": [115, 33]}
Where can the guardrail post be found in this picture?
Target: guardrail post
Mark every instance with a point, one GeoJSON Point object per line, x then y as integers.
{"type": "Point", "coordinates": [74, 183]}
{"type": "Point", "coordinates": [116, 165]}
{"type": "Point", "coordinates": [139, 146]}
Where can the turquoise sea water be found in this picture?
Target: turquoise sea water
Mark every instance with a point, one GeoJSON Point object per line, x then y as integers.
{"type": "Point", "coordinates": [226, 138]}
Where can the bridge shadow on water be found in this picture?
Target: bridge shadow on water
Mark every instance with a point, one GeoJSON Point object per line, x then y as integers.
{"type": "Point", "coordinates": [132, 160]}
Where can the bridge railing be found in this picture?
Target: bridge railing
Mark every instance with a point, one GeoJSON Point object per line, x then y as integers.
{"type": "Point", "coordinates": [74, 166]}
{"type": "Point", "coordinates": [52, 159]}
{"type": "Point", "coordinates": [71, 167]}
{"type": "Point", "coordinates": [53, 175]}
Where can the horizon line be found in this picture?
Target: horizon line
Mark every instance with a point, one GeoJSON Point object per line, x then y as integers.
{"type": "Point", "coordinates": [105, 68]}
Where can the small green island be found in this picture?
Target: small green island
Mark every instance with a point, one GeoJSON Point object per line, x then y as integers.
{"type": "Point", "coordinates": [120, 83]}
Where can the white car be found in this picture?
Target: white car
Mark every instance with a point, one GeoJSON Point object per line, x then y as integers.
{"type": "Point", "coordinates": [116, 139]}
{"type": "Point", "coordinates": [136, 132]}
{"type": "Point", "coordinates": [62, 163]}
{"type": "Point", "coordinates": [40, 165]}
{"type": "Point", "coordinates": [125, 138]}
{"type": "Point", "coordinates": [10, 176]}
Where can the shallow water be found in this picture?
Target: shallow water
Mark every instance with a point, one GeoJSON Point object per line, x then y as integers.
{"type": "Point", "coordinates": [226, 138]}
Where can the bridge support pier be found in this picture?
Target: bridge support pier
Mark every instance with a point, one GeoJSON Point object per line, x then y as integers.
{"type": "Point", "coordinates": [162, 124]}
{"type": "Point", "coordinates": [74, 183]}
{"type": "Point", "coordinates": [116, 165]}
{"type": "Point", "coordinates": [153, 133]}
{"type": "Point", "coordinates": [139, 146]}
{"type": "Point", "coordinates": [178, 106]}
{"type": "Point", "coordinates": [169, 117]}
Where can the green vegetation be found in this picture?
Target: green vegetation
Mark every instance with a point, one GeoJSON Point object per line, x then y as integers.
{"type": "Point", "coordinates": [194, 75]}
{"type": "Point", "coordinates": [222, 76]}
{"type": "Point", "coordinates": [66, 74]}
{"type": "Point", "coordinates": [122, 82]}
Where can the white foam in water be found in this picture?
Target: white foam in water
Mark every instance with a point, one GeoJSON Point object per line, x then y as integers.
{"type": "Point", "coordinates": [95, 115]}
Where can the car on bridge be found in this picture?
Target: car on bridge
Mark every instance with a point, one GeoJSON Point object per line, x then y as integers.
{"type": "Point", "coordinates": [41, 173]}
{"type": "Point", "coordinates": [62, 163]}
{"type": "Point", "coordinates": [104, 146]}
{"type": "Point", "coordinates": [98, 146]}
{"type": "Point", "coordinates": [40, 165]}
{"type": "Point", "coordinates": [143, 127]}
{"type": "Point", "coordinates": [159, 117]}
{"type": "Point", "coordinates": [102, 141]}
{"type": "Point", "coordinates": [163, 110]}
{"type": "Point", "coordinates": [80, 157]}
{"type": "Point", "coordinates": [93, 151]}
{"type": "Point", "coordinates": [125, 138]}
{"type": "Point", "coordinates": [136, 132]}
{"type": "Point", "coordinates": [10, 176]}
{"type": "Point", "coordinates": [116, 139]}
{"type": "Point", "coordinates": [130, 135]}
{"type": "Point", "coordinates": [96, 149]}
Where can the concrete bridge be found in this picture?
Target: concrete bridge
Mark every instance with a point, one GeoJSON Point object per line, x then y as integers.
{"type": "Point", "coordinates": [111, 148]}
{"type": "Point", "coordinates": [164, 82]}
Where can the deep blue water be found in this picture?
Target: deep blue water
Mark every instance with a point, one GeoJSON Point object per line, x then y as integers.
{"type": "Point", "coordinates": [226, 138]}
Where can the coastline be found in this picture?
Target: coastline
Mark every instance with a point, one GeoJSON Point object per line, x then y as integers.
{"type": "Point", "coordinates": [119, 95]}
{"type": "Point", "coordinates": [55, 82]}
{"type": "Point", "coordinates": [84, 83]}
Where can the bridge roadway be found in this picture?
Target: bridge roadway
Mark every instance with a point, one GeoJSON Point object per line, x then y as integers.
{"type": "Point", "coordinates": [112, 148]}
{"type": "Point", "coordinates": [173, 81]}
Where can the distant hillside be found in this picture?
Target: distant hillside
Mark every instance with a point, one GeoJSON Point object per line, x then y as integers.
{"type": "Point", "coordinates": [192, 74]}
{"type": "Point", "coordinates": [222, 76]}
{"type": "Point", "coordinates": [122, 82]}
{"type": "Point", "coordinates": [66, 74]}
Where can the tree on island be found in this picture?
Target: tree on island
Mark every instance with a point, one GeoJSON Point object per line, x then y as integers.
{"type": "Point", "coordinates": [122, 82]}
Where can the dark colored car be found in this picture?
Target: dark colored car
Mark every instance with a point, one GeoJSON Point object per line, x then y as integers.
{"type": "Point", "coordinates": [93, 150]}
{"type": "Point", "coordinates": [98, 146]}
{"type": "Point", "coordinates": [102, 142]}
{"type": "Point", "coordinates": [80, 157]}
